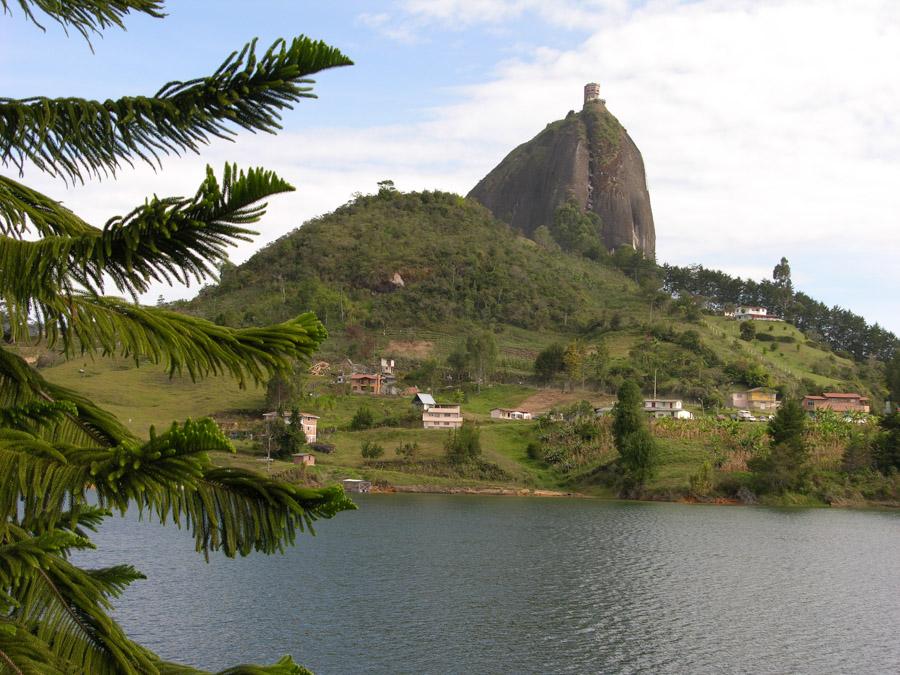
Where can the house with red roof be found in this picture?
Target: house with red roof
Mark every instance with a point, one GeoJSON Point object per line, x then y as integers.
{"type": "Point", "coordinates": [836, 401]}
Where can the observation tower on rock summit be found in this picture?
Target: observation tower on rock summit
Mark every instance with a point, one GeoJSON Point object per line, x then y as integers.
{"type": "Point", "coordinates": [592, 93]}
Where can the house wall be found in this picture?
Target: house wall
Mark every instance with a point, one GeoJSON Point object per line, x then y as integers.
{"type": "Point", "coordinates": [440, 417]}
{"type": "Point", "coordinates": [837, 405]}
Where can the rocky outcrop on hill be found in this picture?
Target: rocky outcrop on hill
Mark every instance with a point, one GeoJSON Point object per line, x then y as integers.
{"type": "Point", "coordinates": [587, 157]}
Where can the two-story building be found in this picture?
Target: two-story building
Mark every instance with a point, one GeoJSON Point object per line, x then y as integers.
{"type": "Point", "coordinates": [667, 407]}
{"type": "Point", "coordinates": [836, 401]}
{"type": "Point", "coordinates": [442, 416]}
{"type": "Point", "coordinates": [748, 313]}
{"type": "Point", "coordinates": [363, 383]}
{"type": "Point", "coordinates": [758, 398]}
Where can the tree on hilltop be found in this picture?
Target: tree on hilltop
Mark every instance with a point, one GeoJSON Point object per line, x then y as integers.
{"type": "Point", "coordinates": [55, 444]}
{"type": "Point", "coordinates": [781, 274]}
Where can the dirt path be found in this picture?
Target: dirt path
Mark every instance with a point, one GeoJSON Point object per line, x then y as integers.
{"type": "Point", "coordinates": [545, 399]}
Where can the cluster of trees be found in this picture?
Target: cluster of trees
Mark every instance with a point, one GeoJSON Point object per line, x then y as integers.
{"type": "Point", "coordinates": [364, 419]}
{"type": "Point", "coordinates": [67, 464]}
{"type": "Point", "coordinates": [786, 464]}
{"type": "Point", "coordinates": [463, 445]}
{"type": "Point", "coordinates": [287, 436]}
{"type": "Point", "coordinates": [580, 361]}
{"type": "Point", "coordinates": [840, 329]}
{"type": "Point", "coordinates": [474, 359]}
{"type": "Point", "coordinates": [575, 231]}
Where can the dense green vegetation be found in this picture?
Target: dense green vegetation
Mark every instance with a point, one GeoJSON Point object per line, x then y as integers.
{"type": "Point", "coordinates": [840, 329]}
{"type": "Point", "coordinates": [456, 262]}
{"type": "Point", "coordinates": [435, 281]}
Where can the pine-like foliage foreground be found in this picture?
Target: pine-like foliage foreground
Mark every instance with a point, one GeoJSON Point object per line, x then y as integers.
{"type": "Point", "coordinates": [65, 464]}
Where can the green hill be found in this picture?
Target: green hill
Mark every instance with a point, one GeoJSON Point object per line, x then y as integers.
{"type": "Point", "coordinates": [411, 275]}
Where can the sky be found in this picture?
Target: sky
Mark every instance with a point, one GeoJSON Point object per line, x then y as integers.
{"type": "Point", "coordinates": [768, 128]}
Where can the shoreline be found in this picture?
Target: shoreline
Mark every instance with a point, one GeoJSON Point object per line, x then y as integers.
{"type": "Point", "coordinates": [541, 493]}
{"type": "Point", "coordinates": [462, 490]}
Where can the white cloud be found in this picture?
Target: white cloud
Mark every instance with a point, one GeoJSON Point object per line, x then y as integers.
{"type": "Point", "coordinates": [461, 13]}
{"type": "Point", "coordinates": [767, 129]}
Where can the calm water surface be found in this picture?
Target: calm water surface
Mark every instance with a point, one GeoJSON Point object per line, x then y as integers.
{"type": "Point", "coordinates": [453, 584]}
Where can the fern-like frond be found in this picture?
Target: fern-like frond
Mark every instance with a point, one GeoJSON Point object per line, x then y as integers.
{"type": "Point", "coordinates": [67, 607]}
{"type": "Point", "coordinates": [22, 385]}
{"type": "Point", "coordinates": [39, 482]}
{"type": "Point", "coordinates": [182, 343]}
{"type": "Point", "coordinates": [86, 16]}
{"type": "Point", "coordinates": [231, 510]}
{"type": "Point", "coordinates": [24, 210]}
{"type": "Point", "coordinates": [21, 653]}
{"type": "Point", "coordinates": [34, 416]}
{"type": "Point", "coordinates": [165, 240]}
{"type": "Point", "coordinates": [71, 137]}
{"type": "Point", "coordinates": [172, 476]}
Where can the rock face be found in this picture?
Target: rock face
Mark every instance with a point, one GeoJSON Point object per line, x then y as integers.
{"type": "Point", "coordinates": [587, 157]}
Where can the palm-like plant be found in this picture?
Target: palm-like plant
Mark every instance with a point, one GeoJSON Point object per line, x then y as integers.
{"type": "Point", "coordinates": [55, 445]}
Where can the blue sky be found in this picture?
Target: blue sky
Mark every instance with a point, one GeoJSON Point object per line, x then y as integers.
{"type": "Point", "coordinates": [768, 128]}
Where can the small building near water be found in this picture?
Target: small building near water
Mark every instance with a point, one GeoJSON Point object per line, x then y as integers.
{"type": "Point", "coordinates": [356, 485]}
{"type": "Point", "coordinates": [304, 458]}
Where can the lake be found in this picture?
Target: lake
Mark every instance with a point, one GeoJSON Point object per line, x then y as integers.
{"type": "Point", "coordinates": [453, 584]}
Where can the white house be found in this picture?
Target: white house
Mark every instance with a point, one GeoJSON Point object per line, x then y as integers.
{"type": "Point", "coordinates": [510, 414]}
{"type": "Point", "coordinates": [748, 313]}
{"type": "Point", "coordinates": [442, 416]}
{"type": "Point", "coordinates": [667, 407]}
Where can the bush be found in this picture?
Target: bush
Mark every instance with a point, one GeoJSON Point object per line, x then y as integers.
{"type": "Point", "coordinates": [362, 420]}
{"type": "Point", "coordinates": [702, 482]}
{"type": "Point", "coordinates": [549, 362]}
{"type": "Point", "coordinates": [463, 444]}
{"type": "Point", "coordinates": [857, 455]}
{"type": "Point", "coordinates": [371, 450]}
{"type": "Point", "coordinates": [535, 451]}
{"type": "Point", "coordinates": [408, 451]}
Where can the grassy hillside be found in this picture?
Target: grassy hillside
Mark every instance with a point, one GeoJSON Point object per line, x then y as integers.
{"type": "Point", "coordinates": [145, 396]}
{"type": "Point", "coordinates": [411, 275]}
